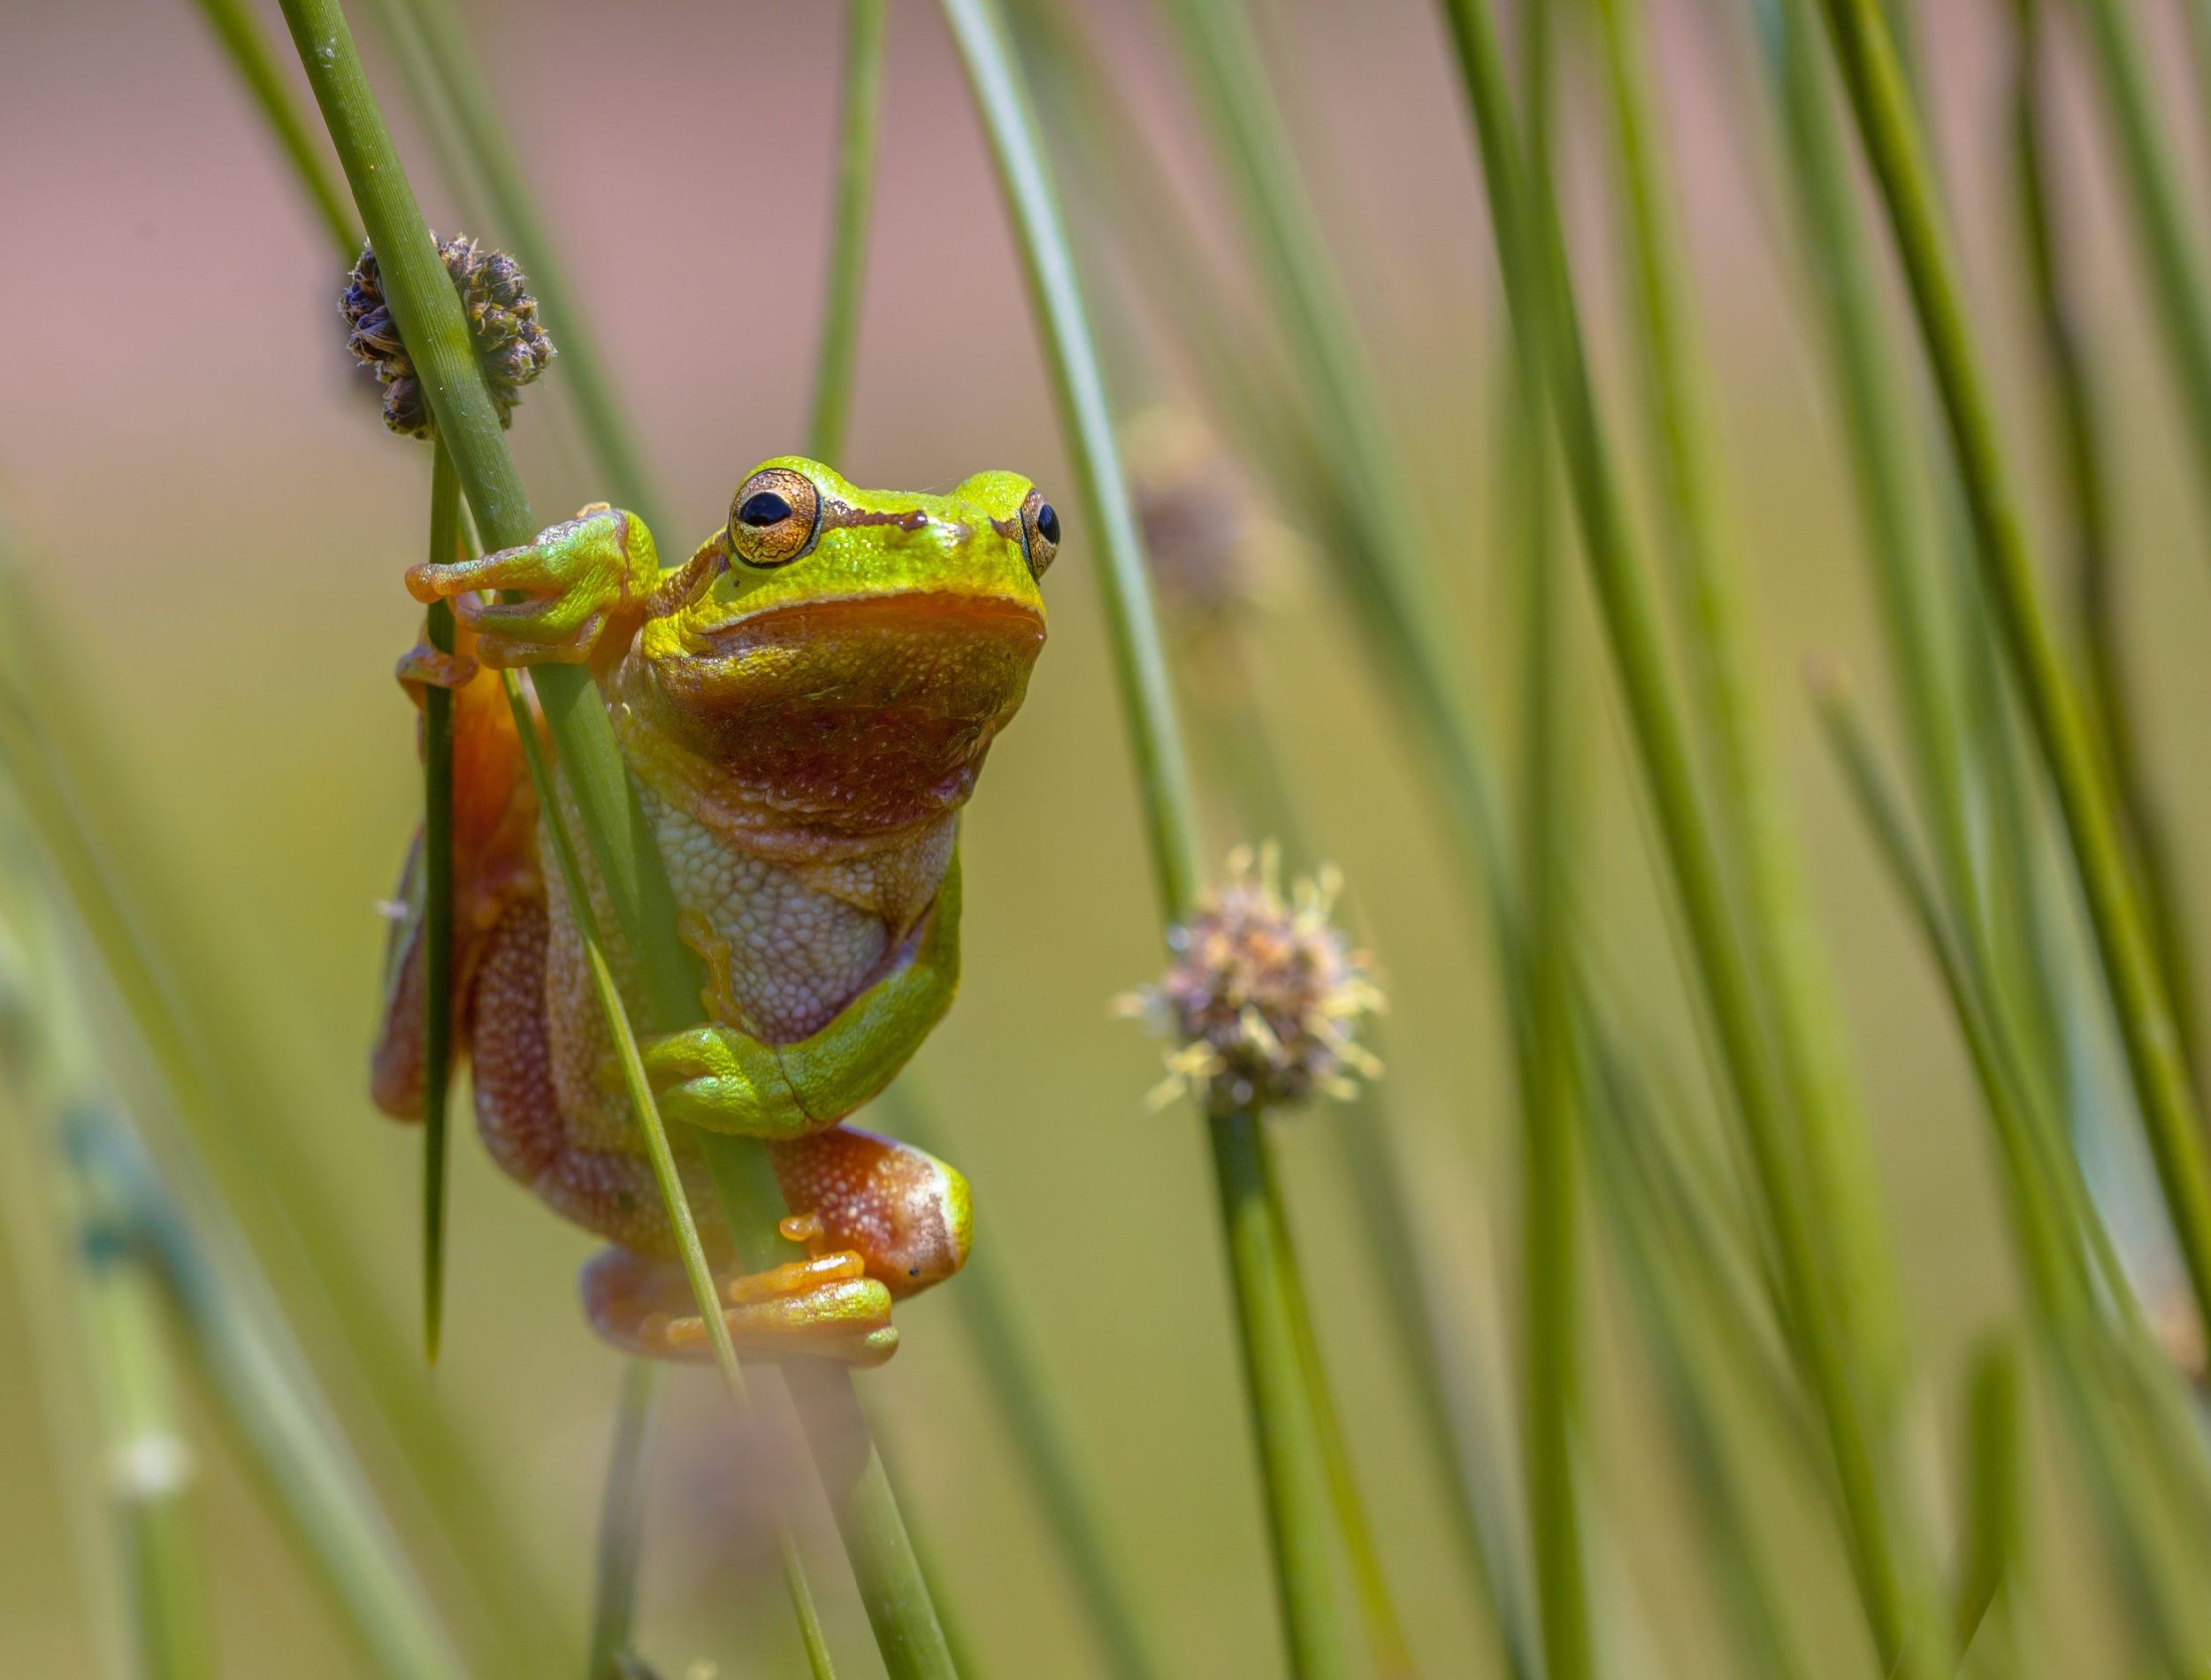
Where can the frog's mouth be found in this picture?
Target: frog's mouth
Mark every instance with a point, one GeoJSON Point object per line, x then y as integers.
{"type": "Point", "coordinates": [859, 713]}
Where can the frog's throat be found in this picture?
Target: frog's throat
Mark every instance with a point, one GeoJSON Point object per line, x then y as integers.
{"type": "Point", "coordinates": [827, 728]}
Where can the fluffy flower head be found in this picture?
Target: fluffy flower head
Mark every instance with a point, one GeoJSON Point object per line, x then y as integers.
{"type": "Point", "coordinates": [1264, 994]}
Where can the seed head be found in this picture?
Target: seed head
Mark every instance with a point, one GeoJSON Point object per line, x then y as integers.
{"type": "Point", "coordinates": [1264, 995]}
{"type": "Point", "coordinates": [1213, 549]}
{"type": "Point", "coordinates": [503, 318]}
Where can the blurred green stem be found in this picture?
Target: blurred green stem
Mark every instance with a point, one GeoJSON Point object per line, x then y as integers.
{"type": "Point", "coordinates": [1296, 1500]}
{"type": "Point", "coordinates": [149, 1465]}
{"type": "Point", "coordinates": [468, 98]}
{"type": "Point", "coordinates": [1387, 1646]}
{"type": "Point", "coordinates": [1989, 1555]}
{"type": "Point", "coordinates": [1893, 146]}
{"type": "Point", "coordinates": [240, 38]}
{"type": "Point", "coordinates": [1020, 1387]}
{"type": "Point", "coordinates": [865, 22]}
{"type": "Point", "coordinates": [1551, 1293]}
{"type": "Point", "coordinates": [2179, 284]}
{"type": "Point", "coordinates": [622, 1519]}
{"type": "Point", "coordinates": [2095, 569]}
{"type": "Point", "coordinates": [1891, 1578]}
{"type": "Point", "coordinates": [1295, 1473]}
{"type": "Point", "coordinates": [1752, 819]}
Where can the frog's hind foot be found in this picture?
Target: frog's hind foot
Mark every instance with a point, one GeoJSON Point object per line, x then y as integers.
{"type": "Point", "coordinates": [907, 1214]}
{"type": "Point", "coordinates": [825, 1307]}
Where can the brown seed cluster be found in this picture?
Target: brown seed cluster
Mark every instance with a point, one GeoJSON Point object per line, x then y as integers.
{"type": "Point", "coordinates": [503, 318]}
{"type": "Point", "coordinates": [1264, 993]}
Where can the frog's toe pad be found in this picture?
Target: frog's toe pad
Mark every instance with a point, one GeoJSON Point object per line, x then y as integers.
{"type": "Point", "coordinates": [825, 1307]}
{"type": "Point", "coordinates": [423, 666]}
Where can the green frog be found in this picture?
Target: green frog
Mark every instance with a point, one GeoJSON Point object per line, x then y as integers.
{"type": "Point", "coordinates": [804, 706]}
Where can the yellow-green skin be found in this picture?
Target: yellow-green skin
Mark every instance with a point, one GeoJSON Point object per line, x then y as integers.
{"type": "Point", "coordinates": [803, 721]}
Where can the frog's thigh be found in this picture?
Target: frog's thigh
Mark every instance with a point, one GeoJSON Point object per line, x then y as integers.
{"type": "Point", "coordinates": [518, 1109]}
{"type": "Point", "coordinates": [904, 1212]}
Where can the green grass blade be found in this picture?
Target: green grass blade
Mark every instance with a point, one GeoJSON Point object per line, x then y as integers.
{"type": "Point", "coordinates": [1891, 1581]}
{"type": "Point", "coordinates": [467, 99]}
{"type": "Point", "coordinates": [1296, 1500]}
{"type": "Point", "coordinates": [243, 43]}
{"type": "Point", "coordinates": [1894, 145]}
{"type": "Point", "coordinates": [2095, 583]}
{"type": "Point", "coordinates": [866, 22]}
{"type": "Point", "coordinates": [1020, 1387]}
{"type": "Point", "coordinates": [1754, 822]}
{"type": "Point", "coordinates": [1989, 1555]}
{"type": "Point", "coordinates": [622, 1519]}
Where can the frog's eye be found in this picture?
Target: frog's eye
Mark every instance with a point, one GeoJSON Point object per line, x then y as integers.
{"type": "Point", "coordinates": [1040, 533]}
{"type": "Point", "coordinates": [775, 517]}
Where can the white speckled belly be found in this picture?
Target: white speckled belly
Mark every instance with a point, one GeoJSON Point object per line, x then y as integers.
{"type": "Point", "coordinates": [805, 938]}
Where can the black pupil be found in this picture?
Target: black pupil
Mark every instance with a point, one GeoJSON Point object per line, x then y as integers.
{"type": "Point", "coordinates": [1048, 524]}
{"type": "Point", "coordinates": [763, 508]}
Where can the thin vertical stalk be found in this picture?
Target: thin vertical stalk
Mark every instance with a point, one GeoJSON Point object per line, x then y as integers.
{"type": "Point", "coordinates": [248, 49]}
{"type": "Point", "coordinates": [1879, 427]}
{"type": "Point", "coordinates": [865, 22]}
{"type": "Point", "coordinates": [1989, 1555]}
{"type": "Point", "coordinates": [468, 98]}
{"type": "Point", "coordinates": [1891, 136]}
{"type": "Point", "coordinates": [1021, 1389]}
{"type": "Point", "coordinates": [1228, 719]}
{"type": "Point", "coordinates": [150, 1463]}
{"type": "Point", "coordinates": [1387, 1646]}
{"type": "Point", "coordinates": [275, 1419]}
{"type": "Point", "coordinates": [205, 1088]}
{"type": "Point", "coordinates": [437, 876]}
{"type": "Point", "coordinates": [1292, 1472]}
{"type": "Point", "coordinates": [2179, 284]}
{"type": "Point", "coordinates": [1352, 468]}
{"type": "Point", "coordinates": [1891, 1581]}
{"type": "Point", "coordinates": [622, 1520]}
{"type": "Point", "coordinates": [1751, 809]}
{"type": "Point", "coordinates": [1140, 667]}
{"type": "Point", "coordinates": [628, 866]}
{"type": "Point", "coordinates": [1550, 1294]}
{"type": "Point", "coordinates": [1295, 1478]}
{"type": "Point", "coordinates": [2088, 515]}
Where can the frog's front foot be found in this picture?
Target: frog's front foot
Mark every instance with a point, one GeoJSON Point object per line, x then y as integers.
{"type": "Point", "coordinates": [584, 585]}
{"type": "Point", "coordinates": [722, 1080]}
{"type": "Point", "coordinates": [423, 666]}
{"type": "Point", "coordinates": [825, 1307]}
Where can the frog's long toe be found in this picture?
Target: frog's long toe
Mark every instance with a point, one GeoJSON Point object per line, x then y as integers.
{"type": "Point", "coordinates": [825, 1307]}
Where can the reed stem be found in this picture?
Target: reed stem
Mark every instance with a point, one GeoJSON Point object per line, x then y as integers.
{"type": "Point", "coordinates": [1293, 1473]}
{"type": "Point", "coordinates": [1896, 1599]}
{"type": "Point", "coordinates": [866, 23]}
{"type": "Point", "coordinates": [1889, 130]}
{"type": "Point", "coordinates": [622, 1519]}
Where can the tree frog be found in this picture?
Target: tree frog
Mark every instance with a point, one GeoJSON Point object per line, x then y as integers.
{"type": "Point", "coordinates": [803, 707]}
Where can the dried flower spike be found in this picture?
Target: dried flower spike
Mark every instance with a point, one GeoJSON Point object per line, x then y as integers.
{"type": "Point", "coordinates": [1264, 994]}
{"type": "Point", "coordinates": [503, 318]}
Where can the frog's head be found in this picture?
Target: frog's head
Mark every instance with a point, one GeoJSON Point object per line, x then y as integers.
{"type": "Point", "coordinates": [859, 652]}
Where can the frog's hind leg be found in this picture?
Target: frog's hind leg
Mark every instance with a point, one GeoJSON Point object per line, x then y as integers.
{"type": "Point", "coordinates": [824, 1307]}
{"type": "Point", "coordinates": [906, 1213]}
{"type": "Point", "coordinates": [494, 866]}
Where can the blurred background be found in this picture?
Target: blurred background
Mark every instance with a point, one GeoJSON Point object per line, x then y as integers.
{"type": "Point", "coordinates": [211, 526]}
